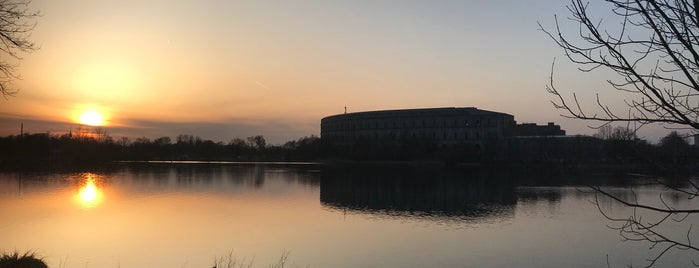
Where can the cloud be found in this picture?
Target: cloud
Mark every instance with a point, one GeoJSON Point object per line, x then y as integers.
{"type": "Point", "coordinates": [275, 131]}
{"type": "Point", "coordinates": [11, 125]}
{"type": "Point", "coordinates": [260, 84]}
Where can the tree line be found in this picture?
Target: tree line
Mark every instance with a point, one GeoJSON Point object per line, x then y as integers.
{"type": "Point", "coordinates": [49, 151]}
{"type": "Point", "coordinates": [614, 146]}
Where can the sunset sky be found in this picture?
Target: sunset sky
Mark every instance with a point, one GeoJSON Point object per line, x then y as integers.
{"type": "Point", "coordinates": [226, 69]}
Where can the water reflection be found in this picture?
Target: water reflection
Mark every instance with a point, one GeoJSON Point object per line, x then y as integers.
{"type": "Point", "coordinates": [463, 194]}
{"type": "Point", "coordinates": [206, 175]}
{"type": "Point", "coordinates": [393, 217]}
{"type": "Point", "coordinates": [89, 195]}
{"type": "Point", "coordinates": [433, 195]}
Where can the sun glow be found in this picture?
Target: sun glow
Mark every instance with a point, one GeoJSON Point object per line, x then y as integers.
{"type": "Point", "coordinates": [89, 195]}
{"type": "Point", "coordinates": [91, 118]}
{"type": "Point", "coordinates": [93, 114]}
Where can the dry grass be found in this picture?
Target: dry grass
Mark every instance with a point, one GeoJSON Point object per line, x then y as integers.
{"type": "Point", "coordinates": [231, 261]}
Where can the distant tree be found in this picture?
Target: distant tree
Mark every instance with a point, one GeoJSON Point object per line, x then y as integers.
{"type": "Point", "coordinates": [142, 141]}
{"type": "Point", "coordinates": [290, 145]}
{"type": "Point", "coordinates": [238, 149]}
{"type": "Point", "coordinates": [17, 21]}
{"type": "Point", "coordinates": [237, 142]}
{"type": "Point", "coordinates": [162, 141]}
{"type": "Point", "coordinates": [651, 47]}
{"type": "Point", "coordinates": [101, 135]}
{"type": "Point", "coordinates": [304, 148]}
{"type": "Point", "coordinates": [674, 147]}
{"type": "Point", "coordinates": [257, 142]}
{"type": "Point", "coordinates": [604, 132]}
{"type": "Point", "coordinates": [123, 141]}
{"type": "Point", "coordinates": [608, 132]}
{"type": "Point", "coordinates": [185, 139]}
{"type": "Point", "coordinates": [623, 134]}
{"type": "Point", "coordinates": [673, 140]}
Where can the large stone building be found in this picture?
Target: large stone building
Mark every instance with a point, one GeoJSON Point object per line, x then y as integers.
{"type": "Point", "coordinates": [443, 126]}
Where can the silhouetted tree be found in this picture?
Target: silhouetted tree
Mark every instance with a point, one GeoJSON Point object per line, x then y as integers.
{"type": "Point", "coordinates": [186, 139]}
{"type": "Point", "coordinates": [305, 148]}
{"type": "Point", "coordinates": [623, 134]}
{"type": "Point", "coordinates": [608, 132]}
{"type": "Point", "coordinates": [123, 141]}
{"type": "Point", "coordinates": [17, 20]}
{"type": "Point", "coordinates": [237, 142]}
{"type": "Point", "coordinates": [652, 46]}
{"type": "Point", "coordinates": [604, 132]}
{"type": "Point", "coordinates": [673, 141]}
{"type": "Point", "coordinates": [163, 141]}
{"type": "Point", "coordinates": [257, 142]}
{"type": "Point", "coordinates": [675, 148]}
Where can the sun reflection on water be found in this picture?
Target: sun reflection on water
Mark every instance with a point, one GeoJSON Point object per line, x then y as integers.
{"type": "Point", "coordinates": [89, 195]}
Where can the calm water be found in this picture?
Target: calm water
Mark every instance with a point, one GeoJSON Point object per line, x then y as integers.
{"type": "Point", "coordinates": [163, 215]}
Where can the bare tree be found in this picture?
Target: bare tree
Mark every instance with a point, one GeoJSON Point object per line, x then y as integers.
{"type": "Point", "coordinates": [17, 21]}
{"type": "Point", "coordinates": [609, 132]}
{"type": "Point", "coordinates": [652, 48]}
{"type": "Point", "coordinates": [257, 142]}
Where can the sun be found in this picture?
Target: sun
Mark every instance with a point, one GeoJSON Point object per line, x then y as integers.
{"type": "Point", "coordinates": [91, 118]}
{"type": "Point", "coordinates": [92, 115]}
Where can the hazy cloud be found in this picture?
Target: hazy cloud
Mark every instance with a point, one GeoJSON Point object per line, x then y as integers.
{"type": "Point", "coordinates": [275, 131]}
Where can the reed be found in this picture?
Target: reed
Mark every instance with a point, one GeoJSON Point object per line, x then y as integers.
{"type": "Point", "coordinates": [232, 261]}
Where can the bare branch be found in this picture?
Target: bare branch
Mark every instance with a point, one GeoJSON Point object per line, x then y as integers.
{"type": "Point", "coordinates": [16, 23]}
{"type": "Point", "coordinates": [662, 34]}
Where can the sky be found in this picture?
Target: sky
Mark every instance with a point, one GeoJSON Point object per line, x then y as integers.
{"type": "Point", "coordinates": [227, 69]}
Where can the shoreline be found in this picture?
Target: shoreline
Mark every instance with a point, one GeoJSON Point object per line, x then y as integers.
{"type": "Point", "coordinates": [635, 168]}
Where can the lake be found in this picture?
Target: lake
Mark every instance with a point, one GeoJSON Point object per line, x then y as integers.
{"type": "Point", "coordinates": [190, 214]}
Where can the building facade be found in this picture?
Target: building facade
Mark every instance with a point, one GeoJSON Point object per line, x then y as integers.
{"type": "Point", "coordinates": [531, 129]}
{"type": "Point", "coordinates": [443, 126]}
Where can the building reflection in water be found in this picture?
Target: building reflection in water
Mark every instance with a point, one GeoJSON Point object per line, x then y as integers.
{"type": "Point", "coordinates": [429, 194]}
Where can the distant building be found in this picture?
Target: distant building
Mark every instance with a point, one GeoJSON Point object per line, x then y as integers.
{"type": "Point", "coordinates": [531, 129]}
{"type": "Point", "coordinates": [444, 126]}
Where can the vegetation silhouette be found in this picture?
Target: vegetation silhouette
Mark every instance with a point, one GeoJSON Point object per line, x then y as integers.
{"type": "Point", "coordinates": [16, 260]}
{"type": "Point", "coordinates": [84, 149]}
{"type": "Point", "coordinates": [232, 261]}
{"type": "Point", "coordinates": [50, 151]}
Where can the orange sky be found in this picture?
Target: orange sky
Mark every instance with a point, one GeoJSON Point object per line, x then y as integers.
{"type": "Point", "coordinates": [225, 69]}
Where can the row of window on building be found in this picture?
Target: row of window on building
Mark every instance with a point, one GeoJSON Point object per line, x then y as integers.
{"type": "Point", "coordinates": [375, 124]}
{"type": "Point", "coordinates": [433, 135]}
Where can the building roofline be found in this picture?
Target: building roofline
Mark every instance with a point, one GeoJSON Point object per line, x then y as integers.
{"type": "Point", "coordinates": [412, 112]}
